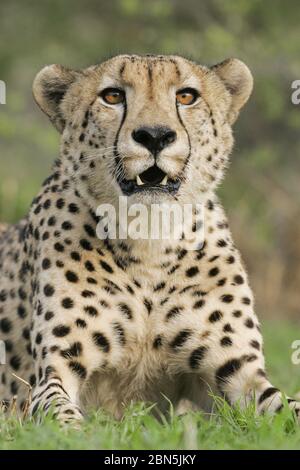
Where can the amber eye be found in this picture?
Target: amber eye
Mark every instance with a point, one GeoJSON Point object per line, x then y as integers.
{"type": "Point", "coordinates": [187, 96]}
{"type": "Point", "coordinates": [113, 95]}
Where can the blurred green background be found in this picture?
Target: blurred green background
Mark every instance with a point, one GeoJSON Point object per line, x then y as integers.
{"type": "Point", "coordinates": [261, 192]}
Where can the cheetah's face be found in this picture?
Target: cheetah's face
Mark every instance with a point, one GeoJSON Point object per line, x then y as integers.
{"type": "Point", "coordinates": [152, 128]}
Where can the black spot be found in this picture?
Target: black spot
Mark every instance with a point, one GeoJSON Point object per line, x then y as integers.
{"type": "Point", "coordinates": [89, 230]}
{"type": "Point", "coordinates": [238, 279]}
{"type": "Point", "coordinates": [250, 357]}
{"type": "Point", "coordinates": [46, 263]}
{"type": "Point", "coordinates": [38, 338]}
{"type": "Point", "coordinates": [49, 315]}
{"type": "Point", "coordinates": [213, 272]}
{"type": "Point", "coordinates": [32, 380]}
{"type": "Point", "coordinates": [255, 344]}
{"type": "Point", "coordinates": [49, 290]}
{"type": "Point", "coordinates": [66, 225]}
{"type": "Point", "coordinates": [73, 351]}
{"type": "Point", "coordinates": [197, 356]}
{"type": "Point", "coordinates": [227, 328]}
{"type": "Point", "coordinates": [59, 247]}
{"type": "Point", "coordinates": [215, 316]}
{"type": "Point", "coordinates": [21, 311]}
{"type": "Point", "coordinates": [78, 368]}
{"type": "Point", "coordinates": [89, 266]}
{"type": "Point", "coordinates": [47, 204]}
{"type": "Point", "coordinates": [85, 244]}
{"type": "Point", "coordinates": [227, 370]}
{"type": "Point", "coordinates": [126, 310]}
{"type": "Point", "coordinates": [90, 310]}
{"type": "Point", "coordinates": [60, 203]}
{"type": "Point", "coordinates": [173, 312]}
{"type": "Point", "coordinates": [191, 272]}
{"type": "Point", "coordinates": [81, 323]}
{"type": "Point", "coordinates": [148, 304]}
{"type": "Point", "coordinates": [267, 394]}
{"type": "Point", "coordinates": [180, 339]}
{"type": "Point", "coordinates": [73, 208]}
{"type": "Point", "coordinates": [226, 341]}
{"type": "Point", "coordinates": [51, 221]}
{"type": "Point", "coordinates": [101, 341]}
{"type": "Point", "coordinates": [67, 302]}
{"type": "Point", "coordinates": [87, 293]}
{"type": "Point", "coordinates": [157, 342]}
{"type": "Point", "coordinates": [106, 266]}
{"type": "Point", "coordinates": [71, 276]}
{"type": "Point", "coordinates": [159, 286]}
{"type": "Point", "coordinates": [26, 333]}
{"type": "Point", "coordinates": [227, 298]}
{"type": "Point", "coordinates": [129, 289]}
{"type": "Point", "coordinates": [249, 323]}
{"type": "Point", "coordinates": [210, 205]}
{"type": "Point", "coordinates": [120, 333]}
{"type": "Point", "coordinates": [61, 330]}
{"type": "Point", "coordinates": [5, 325]}
{"type": "Point", "coordinates": [199, 303]}
{"type": "Point", "coordinates": [261, 373]}
{"type": "Point", "coordinates": [75, 256]}
{"type": "Point", "coordinates": [237, 313]}
{"type": "Point", "coordinates": [15, 362]}
{"type": "Point", "coordinates": [14, 387]}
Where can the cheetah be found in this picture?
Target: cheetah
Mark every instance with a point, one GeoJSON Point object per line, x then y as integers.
{"type": "Point", "coordinates": [94, 322]}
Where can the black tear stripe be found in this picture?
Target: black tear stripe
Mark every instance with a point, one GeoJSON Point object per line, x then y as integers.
{"type": "Point", "coordinates": [189, 140]}
{"type": "Point", "coordinates": [116, 153]}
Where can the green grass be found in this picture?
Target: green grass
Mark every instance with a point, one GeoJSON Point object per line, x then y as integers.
{"type": "Point", "coordinates": [226, 429]}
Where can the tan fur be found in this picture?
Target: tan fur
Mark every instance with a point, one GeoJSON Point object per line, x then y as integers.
{"type": "Point", "coordinates": [100, 324]}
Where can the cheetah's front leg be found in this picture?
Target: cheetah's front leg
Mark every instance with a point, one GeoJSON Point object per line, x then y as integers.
{"type": "Point", "coordinates": [220, 341]}
{"type": "Point", "coordinates": [57, 394]}
{"type": "Point", "coordinates": [59, 356]}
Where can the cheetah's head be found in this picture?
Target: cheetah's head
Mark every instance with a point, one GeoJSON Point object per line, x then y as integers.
{"type": "Point", "coordinates": [153, 128]}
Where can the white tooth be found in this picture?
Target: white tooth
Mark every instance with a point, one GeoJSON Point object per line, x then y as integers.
{"type": "Point", "coordinates": [164, 181]}
{"type": "Point", "coordinates": [139, 181]}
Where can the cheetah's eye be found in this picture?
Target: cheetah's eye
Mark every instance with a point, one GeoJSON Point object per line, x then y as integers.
{"type": "Point", "coordinates": [187, 96]}
{"type": "Point", "coordinates": [113, 95]}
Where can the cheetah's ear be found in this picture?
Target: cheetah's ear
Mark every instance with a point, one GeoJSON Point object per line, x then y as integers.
{"type": "Point", "coordinates": [238, 80]}
{"type": "Point", "coordinates": [49, 88]}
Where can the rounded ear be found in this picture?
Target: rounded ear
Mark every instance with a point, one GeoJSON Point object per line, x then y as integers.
{"type": "Point", "coordinates": [49, 88]}
{"type": "Point", "coordinates": [238, 80]}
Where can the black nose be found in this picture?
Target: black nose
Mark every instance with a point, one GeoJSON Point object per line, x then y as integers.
{"type": "Point", "coordinates": [154, 139]}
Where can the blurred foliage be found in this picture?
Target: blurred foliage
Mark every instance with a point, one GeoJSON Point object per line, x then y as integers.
{"type": "Point", "coordinates": [261, 191]}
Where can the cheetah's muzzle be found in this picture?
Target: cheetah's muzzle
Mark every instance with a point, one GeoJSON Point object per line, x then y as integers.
{"type": "Point", "coordinates": [153, 179]}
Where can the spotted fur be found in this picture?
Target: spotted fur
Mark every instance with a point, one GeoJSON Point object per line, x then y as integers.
{"type": "Point", "coordinates": [91, 323]}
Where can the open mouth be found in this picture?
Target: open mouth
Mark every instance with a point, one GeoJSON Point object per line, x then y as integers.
{"type": "Point", "coordinates": [153, 179]}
